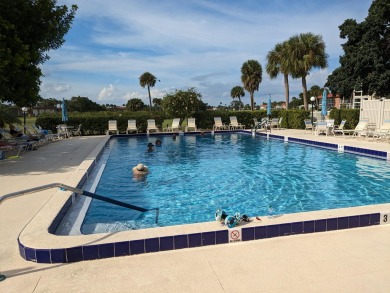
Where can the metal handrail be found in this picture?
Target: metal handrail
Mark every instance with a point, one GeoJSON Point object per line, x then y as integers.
{"type": "Point", "coordinates": [81, 192]}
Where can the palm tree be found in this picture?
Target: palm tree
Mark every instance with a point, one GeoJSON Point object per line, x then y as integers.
{"type": "Point", "coordinates": [148, 79]}
{"type": "Point", "coordinates": [278, 61]}
{"type": "Point", "coordinates": [251, 76]}
{"type": "Point", "coordinates": [237, 92]}
{"type": "Point", "coordinates": [306, 51]}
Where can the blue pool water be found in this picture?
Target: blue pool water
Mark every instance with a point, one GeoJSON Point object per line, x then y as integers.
{"type": "Point", "coordinates": [194, 175]}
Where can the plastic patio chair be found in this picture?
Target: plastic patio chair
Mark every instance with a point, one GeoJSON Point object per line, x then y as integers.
{"type": "Point", "coordinates": [131, 126]}
{"type": "Point", "coordinates": [191, 124]}
{"type": "Point", "coordinates": [112, 127]}
{"type": "Point", "coordinates": [152, 126]}
{"type": "Point", "coordinates": [234, 123]}
{"type": "Point", "coordinates": [218, 125]}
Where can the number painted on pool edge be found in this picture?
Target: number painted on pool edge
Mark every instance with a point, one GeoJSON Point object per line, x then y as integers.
{"type": "Point", "coordinates": [385, 218]}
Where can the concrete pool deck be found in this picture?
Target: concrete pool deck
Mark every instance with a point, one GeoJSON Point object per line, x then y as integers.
{"type": "Point", "coordinates": [353, 260]}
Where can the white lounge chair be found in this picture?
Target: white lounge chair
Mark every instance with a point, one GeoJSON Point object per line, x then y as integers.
{"type": "Point", "coordinates": [321, 128]}
{"type": "Point", "coordinates": [131, 126]}
{"type": "Point", "coordinates": [275, 122]}
{"type": "Point", "coordinates": [361, 126]}
{"type": "Point", "coordinates": [234, 123]}
{"type": "Point", "coordinates": [77, 131]}
{"type": "Point", "coordinates": [308, 125]}
{"type": "Point", "coordinates": [383, 132]}
{"type": "Point", "coordinates": [175, 125]}
{"type": "Point", "coordinates": [62, 131]}
{"type": "Point", "coordinates": [218, 125]}
{"type": "Point", "coordinates": [280, 123]}
{"type": "Point", "coordinates": [191, 124]}
{"type": "Point", "coordinates": [368, 131]}
{"type": "Point", "coordinates": [339, 128]}
{"type": "Point", "coordinates": [152, 126]}
{"type": "Point", "coordinates": [112, 127]}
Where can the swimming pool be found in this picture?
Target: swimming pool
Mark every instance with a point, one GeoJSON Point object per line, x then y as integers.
{"type": "Point", "coordinates": [194, 175]}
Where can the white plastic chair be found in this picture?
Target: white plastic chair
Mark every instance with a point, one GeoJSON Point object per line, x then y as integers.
{"type": "Point", "coordinates": [191, 124]}
{"type": "Point", "coordinates": [131, 126]}
{"type": "Point", "coordinates": [218, 125]}
{"type": "Point", "coordinates": [152, 126]}
{"type": "Point", "coordinates": [234, 123]}
{"type": "Point", "coordinates": [112, 127]}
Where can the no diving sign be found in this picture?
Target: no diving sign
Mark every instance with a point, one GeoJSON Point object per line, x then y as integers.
{"type": "Point", "coordinates": [234, 235]}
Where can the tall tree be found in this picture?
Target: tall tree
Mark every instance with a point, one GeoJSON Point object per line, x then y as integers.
{"type": "Point", "coordinates": [278, 62]}
{"type": "Point", "coordinates": [29, 29]}
{"type": "Point", "coordinates": [307, 51]}
{"type": "Point", "coordinates": [135, 105]}
{"type": "Point", "coordinates": [149, 80]}
{"type": "Point", "coordinates": [83, 104]}
{"type": "Point", "coordinates": [365, 62]}
{"type": "Point", "coordinates": [183, 103]}
{"type": "Point", "coordinates": [236, 93]}
{"type": "Point", "coordinates": [251, 77]}
{"type": "Point", "coordinates": [157, 103]}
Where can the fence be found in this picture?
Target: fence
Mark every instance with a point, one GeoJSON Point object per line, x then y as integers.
{"type": "Point", "coordinates": [375, 111]}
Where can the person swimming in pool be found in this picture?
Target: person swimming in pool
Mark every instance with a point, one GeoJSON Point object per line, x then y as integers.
{"type": "Point", "coordinates": [150, 147]}
{"type": "Point", "coordinates": [158, 143]}
{"type": "Point", "coordinates": [140, 170]}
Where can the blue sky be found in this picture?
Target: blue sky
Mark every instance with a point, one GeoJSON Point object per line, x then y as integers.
{"type": "Point", "coordinates": [190, 43]}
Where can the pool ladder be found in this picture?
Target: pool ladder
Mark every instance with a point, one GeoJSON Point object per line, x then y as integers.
{"type": "Point", "coordinates": [80, 192]}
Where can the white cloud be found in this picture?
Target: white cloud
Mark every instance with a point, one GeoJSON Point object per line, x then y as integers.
{"type": "Point", "coordinates": [191, 43]}
{"type": "Point", "coordinates": [54, 88]}
{"type": "Point", "coordinates": [107, 93]}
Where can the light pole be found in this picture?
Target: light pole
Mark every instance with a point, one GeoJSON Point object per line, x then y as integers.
{"type": "Point", "coordinates": [24, 109]}
{"type": "Point", "coordinates": [312, 99]}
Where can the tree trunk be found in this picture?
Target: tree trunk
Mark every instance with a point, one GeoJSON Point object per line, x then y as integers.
{"type": "Point", "coordinates": [252, 102]}
{"type": "Point", "coordinates": [239, 105]}
{"type": "Point", "coordinates": [286, 90]}
{"type": "Point", "coordinates": [150, 100]}
{"type": "Point", "coordinates": [304, 88]}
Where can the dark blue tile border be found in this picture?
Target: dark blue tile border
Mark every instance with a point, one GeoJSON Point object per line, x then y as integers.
{"type": "Point", "coordinates": [331, 224]}
{"type": "Point", "coordinates": [91, 252]}
{"type": "Point", "coordinates": [137, 246]}
{"type": "Point", "coordinates": [152, 245]}
{"type": "Point", "coordinates": [107, 250]}
{"type": "Point", "coordinates": [58, 255]}
{"type": "Point", "coordinates": [297, 228]}
{"type": "Point", "coordinates": [320, 225]}
{"type": "Point", "coordinates": [122, 248]}
{"type": "Point", "coordinates": [221, 237]}
{"type": "Point", "coordinates": [248, 234]}
{"type": "Point", "coordinates": [261, 232]}
{"type": "Point", "coordinates": [208, 238]}
{"type": "Point", "coordinates": [180, 241]}
{"type": "Point", "coordinates": [74, 254]}
{"type": "Point", "coordinates": [166, 243]}
{"type": "Point", "coordinates": [43, 256]}
{"type": "Point", "coordinates": [195, 240]}
{"type": "Point", "coordinates": [308, 227]}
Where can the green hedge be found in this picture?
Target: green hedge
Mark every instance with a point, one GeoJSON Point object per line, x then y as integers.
{"type": "Point", "coordinates": [96, 123]}
{"type": "Point", "coordinates": [350, 115]}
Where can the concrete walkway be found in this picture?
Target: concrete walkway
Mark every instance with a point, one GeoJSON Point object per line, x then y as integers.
{"type": "Point", "coordinates": [354, 260]}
